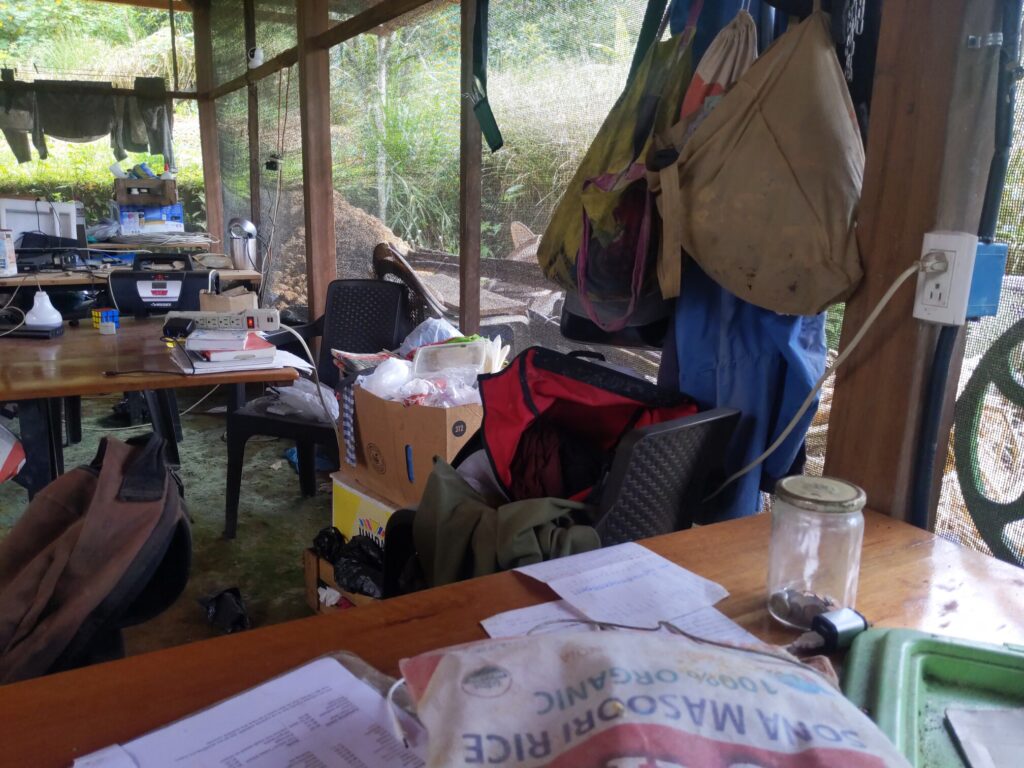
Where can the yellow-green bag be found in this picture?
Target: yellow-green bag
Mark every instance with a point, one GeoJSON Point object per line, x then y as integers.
{"type": "Point", "coordinates": [602, 238]}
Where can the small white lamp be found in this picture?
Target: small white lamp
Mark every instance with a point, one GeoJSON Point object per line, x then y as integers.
{"type": "Point", "coordinates": [43, 314]}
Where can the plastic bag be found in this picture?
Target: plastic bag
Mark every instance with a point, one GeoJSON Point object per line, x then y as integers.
{"type": "Point", "coordinates": [628, 698]}
{"type": "Point", "coordinates": [387, 378]}
{"type": "Point", "coordinates": [301, 399]}
{"type": "Point", "coordinates": [445, 389]}
{"type": "Point", "coordinates": [12, 455]}
{"type": "Point", "coordinates": [430, 331]}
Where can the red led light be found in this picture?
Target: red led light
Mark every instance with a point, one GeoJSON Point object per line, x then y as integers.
{"type": "Point", "coordinates": [251, 322]}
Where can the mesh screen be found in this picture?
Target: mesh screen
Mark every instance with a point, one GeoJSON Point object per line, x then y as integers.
{"type": "Point", "coordinates": [233, 140]}
{"type": "Point", "coordinates": [282, 213]}
{"type": "Point", "coordinates": [227, 35]}
{"type": "Point", "coordinates": [275, 27]}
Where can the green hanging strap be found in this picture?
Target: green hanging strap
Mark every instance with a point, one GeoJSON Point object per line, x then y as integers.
{"type": "Point", "coordinates": [481, 107]}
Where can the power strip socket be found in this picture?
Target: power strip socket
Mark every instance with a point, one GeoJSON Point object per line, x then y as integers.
{"type": "Point", "coordinates": [249, 320]}
{"type": "Point", "coordinates": [942, 294]}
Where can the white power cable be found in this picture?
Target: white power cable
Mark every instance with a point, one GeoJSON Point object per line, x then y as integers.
{"type": "Point", "coordinates": [316, 380]}
{"type": "Point", "coordinates": [886, 297]}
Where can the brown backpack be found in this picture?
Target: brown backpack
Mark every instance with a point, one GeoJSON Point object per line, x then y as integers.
{"type": "Point", "coordinates": [101, 547]}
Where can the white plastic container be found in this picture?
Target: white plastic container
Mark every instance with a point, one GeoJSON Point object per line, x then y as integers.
{"type": "Point", "coordinates": [467, 355]}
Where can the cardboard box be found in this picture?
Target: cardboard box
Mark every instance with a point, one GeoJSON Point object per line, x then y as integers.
{"type": "Point", "coordinates": [356, 511]}
{"type": "Point", "coordinates": [145, 191]}
{"type": "Point", "coordinates": [221, 302]}
{"type": "Point", "coordinates": [399, 443]}
{"type": "Point", "coordinates": [320, 573]}
{"type": "Point", "coordinates": [143, 219]}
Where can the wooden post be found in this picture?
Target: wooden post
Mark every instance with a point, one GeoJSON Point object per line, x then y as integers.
{"type": "Point", "coordinates": [317, 184]}
{"type": "Point", "coordinates": [469, 185]}
{"type": "Point", "coordinates": [875, 418]}
{"type": "Point", "coordinates": [255, 203]}
{"type": "Point", "coordinates": [208, 121]}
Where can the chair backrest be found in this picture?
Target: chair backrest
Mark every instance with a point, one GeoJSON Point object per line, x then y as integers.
{"type": "Point", "coordinates": [658, 475]}
{"type": "Point", "coordinates": [361, 316]}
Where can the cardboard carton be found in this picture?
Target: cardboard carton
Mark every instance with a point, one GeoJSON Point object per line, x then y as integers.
{"type": "Point", "coordinates": [356, 511]}
{"type": "Point", "coordinates": [320, 573]}
{"type": "Point", "coordinates": [227, 302]}
{"type": "Point", "coordinates": [145, 191]}
{"type": "Point", "coordinates": [398, 443]}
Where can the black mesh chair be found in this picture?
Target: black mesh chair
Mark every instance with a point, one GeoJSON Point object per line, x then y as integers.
{"type": "Point", "coordinates": [659, 475]}
{"type": "Point", "coordinates": [359, 316]}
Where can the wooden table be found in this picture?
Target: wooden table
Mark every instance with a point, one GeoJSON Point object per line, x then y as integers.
{"type": "Point", "coordinates": [909, 578]}
{"type": "Point", "coordinates": [36, 373]}
{"type": "Point", "coordinates": [98, 278]}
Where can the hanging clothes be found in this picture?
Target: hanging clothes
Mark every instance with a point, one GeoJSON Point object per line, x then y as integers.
{"type": "Point", "coordinates": [733, 354]}
{"type": "Point", "coordinates": [725, 352]}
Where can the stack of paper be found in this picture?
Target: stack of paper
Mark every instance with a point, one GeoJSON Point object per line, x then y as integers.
{"type": "Point", "coordinates": [626, 584]}
{"type": "Point", "coordinates": [319, 714]}
{"type": "Point", "coordinates": [194, 362]}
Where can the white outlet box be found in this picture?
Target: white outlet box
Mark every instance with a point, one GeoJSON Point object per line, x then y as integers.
{"type": "Point", "coordinates": [942, 295]}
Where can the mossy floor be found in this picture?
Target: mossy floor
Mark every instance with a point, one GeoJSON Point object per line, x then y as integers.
{"type": "Point", "coordinates": [275, 523]}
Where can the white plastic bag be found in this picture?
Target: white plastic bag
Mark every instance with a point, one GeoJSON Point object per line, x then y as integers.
{"type": "Point", "coordinates": [12, 455]}
{"type": "Point", "coordinates": [430, 331]}
{"type": "Point", "coordinates": [387, 378]}
{"type": "Point", "coordinates": [301, 399]}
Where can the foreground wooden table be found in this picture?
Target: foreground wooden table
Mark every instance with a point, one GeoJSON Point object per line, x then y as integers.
{"type": "Point", "coordinates": [909, 578]}
{"type": "Point", "coordinates": [36, 373]}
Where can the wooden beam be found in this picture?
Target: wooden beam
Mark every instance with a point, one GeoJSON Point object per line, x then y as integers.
{"type": "Point", "coordinates": [317, 184]}
{"type": "Point", "coordinates": [469, 185]}
{"type": "Point", "coordinates": [179, 5]}
{"type": "Point", "coordinates": [208, 140]}
{"type": "Point", "coordinates": [88, 86]}
{"type": "Point", "coordinates": [255, 203]}
{"type": "Point", "coordinates": [270, 66]}
{"type": "Point", "coordinates": [875, 418]}
{"type": "Point", "coordinates": [377, 14]}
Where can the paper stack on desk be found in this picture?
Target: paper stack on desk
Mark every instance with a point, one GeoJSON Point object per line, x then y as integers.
{"type": "Point", "coordinates": [625, 584]}
{"type": "Point", "coordinates": [194, 362]}
{"type": "Point", "coordinates": [319, 714]}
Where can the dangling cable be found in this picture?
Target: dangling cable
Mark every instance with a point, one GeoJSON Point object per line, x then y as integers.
{"type": "Point", "coordinates": [396, 723]}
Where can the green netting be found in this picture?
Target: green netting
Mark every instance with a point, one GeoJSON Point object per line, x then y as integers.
{"type": "Point", "coordinates": [227, 37]}
{"type": "Point", "coordinates": [233, 142]}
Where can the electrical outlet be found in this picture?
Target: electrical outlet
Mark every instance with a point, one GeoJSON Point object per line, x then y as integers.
{"type": "Point", "coordinates": [944, 282]}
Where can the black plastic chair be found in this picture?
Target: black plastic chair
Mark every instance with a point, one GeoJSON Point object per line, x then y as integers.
{"type": "Point", "coordinates": [659, 475]}
{"type": "Point", "coordinates": [658, 479]}
{"type": "Point", "coordinates": [359, 316]}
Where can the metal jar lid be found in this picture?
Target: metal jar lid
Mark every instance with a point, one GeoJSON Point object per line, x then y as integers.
{"type": "Point", "coordinates": [820, 494]}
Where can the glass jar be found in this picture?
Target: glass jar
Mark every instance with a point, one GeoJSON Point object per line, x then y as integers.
{"type": "Point", "coordinates": [814, 561]}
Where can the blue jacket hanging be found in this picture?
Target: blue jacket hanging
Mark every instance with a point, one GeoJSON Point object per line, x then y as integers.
{"type": "Point", "coordinates": [731, 353]}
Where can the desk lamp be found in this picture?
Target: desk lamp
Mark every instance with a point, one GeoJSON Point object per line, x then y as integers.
{"type": "Point", "coordinates": [43, 314]}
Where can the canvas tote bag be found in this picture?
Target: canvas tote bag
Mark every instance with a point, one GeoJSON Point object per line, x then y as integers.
{"type": "Point", "coordinates": [764, 193]}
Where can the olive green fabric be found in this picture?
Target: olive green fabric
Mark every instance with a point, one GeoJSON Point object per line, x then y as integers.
{"type": "Point", "coordinates": [458, 535]}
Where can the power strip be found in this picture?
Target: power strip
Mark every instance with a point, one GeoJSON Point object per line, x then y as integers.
{"type": "Point", "coordinates": [249, 320]}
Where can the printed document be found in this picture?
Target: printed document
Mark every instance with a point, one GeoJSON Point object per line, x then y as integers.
{"type": "Point", "coordinates": [317, 715]}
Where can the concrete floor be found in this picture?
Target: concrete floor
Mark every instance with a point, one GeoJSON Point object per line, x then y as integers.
{"type": "Point", "coordinates": [275, 523]}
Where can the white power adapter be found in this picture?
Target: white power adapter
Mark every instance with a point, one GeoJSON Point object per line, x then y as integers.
{"type": "Point", "coordinates": [944, 281]}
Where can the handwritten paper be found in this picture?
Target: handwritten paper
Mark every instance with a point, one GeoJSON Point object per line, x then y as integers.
{"type": "Point", "coordinates": [626, 584]}
{"type": "Point", "coordinates": [319, 714]}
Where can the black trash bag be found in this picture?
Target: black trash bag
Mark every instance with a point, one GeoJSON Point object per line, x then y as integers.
{"type": "Point", "coordinates": [360, 567]}
{"type": "Point", "coordinates": [329, 544]}
{"type": "Point", "coordinates": [226, 610]}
